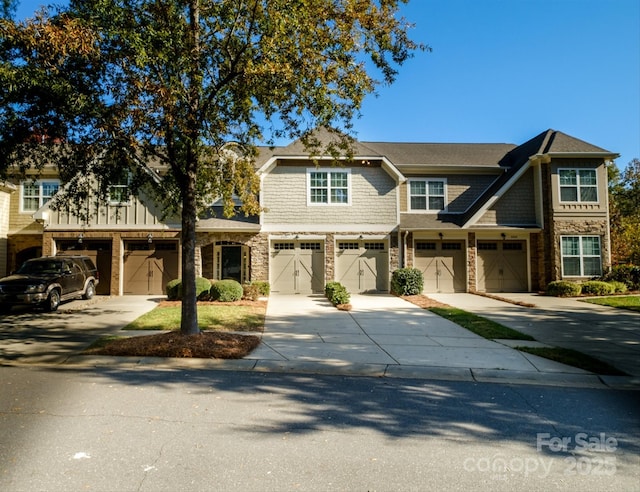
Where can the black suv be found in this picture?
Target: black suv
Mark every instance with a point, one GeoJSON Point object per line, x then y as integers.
{"type": "Point", "coordinates": [49, 280]}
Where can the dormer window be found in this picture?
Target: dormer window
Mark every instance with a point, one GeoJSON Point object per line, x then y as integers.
{"type": "Point", "coordinates": [578, 185]}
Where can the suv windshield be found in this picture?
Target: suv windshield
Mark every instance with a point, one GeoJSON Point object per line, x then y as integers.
{"type": "Point", "coordinates": [40, 267]}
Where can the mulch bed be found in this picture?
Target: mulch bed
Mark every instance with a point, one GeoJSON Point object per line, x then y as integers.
{"type": "Point", "coordinates": [216, 303]}
{"type": "Point", "coordinates": [423, 301]}
{"type": "Point", "coordinates": [205, 345]}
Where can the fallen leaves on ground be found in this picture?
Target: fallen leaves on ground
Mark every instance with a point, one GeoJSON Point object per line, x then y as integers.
{"type": "Point", "coordinates": [205, 345]}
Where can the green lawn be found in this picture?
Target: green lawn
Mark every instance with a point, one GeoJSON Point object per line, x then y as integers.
{"type": "Point", "coordinates": [574, 358]}
{"type": "Point", "coordinates": [624, 302]}
{"type": "Point", "coordinates": [479, 325]}
{"type": "Point", "coordinates": [210, 317]}
{"type": "Point", "coordinates": [495, 331]}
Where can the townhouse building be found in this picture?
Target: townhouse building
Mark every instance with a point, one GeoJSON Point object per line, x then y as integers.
{"type": "Point", "coordinates": [471, 217]}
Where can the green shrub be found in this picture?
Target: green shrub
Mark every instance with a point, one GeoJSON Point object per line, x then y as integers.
{"type": "Point", "coordinates": [407, 282]}
{"type": "Point", "coordinates": [597, 287]}
{"type": "Point", "coordinates": [337, 293]}
{"type": "Point", "coordinates": [263, 287]}
{"type": "Point", "coordinates": [250, 292]}
{"type": "Point", "coordinates": [203, 286]}
{"type": "Point", "coordinates": [173, 289]}
{"type": "Point", "coordinates": [226, 291]}
{"type": "Point", "coordinates": [330, 287]}
{"type": "Point", "coordinates": [628, 274]}
{"type": "Point", "coordinates": [618, 287]}
{"type": "Point", "coordinates": [563, 288]}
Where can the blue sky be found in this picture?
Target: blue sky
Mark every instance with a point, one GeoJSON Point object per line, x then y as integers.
{"type": "Point", "coordinates": [506, 70]}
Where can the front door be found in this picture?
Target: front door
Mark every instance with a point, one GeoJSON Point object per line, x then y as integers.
{"type": "Point", "coordinates": [231, 263]}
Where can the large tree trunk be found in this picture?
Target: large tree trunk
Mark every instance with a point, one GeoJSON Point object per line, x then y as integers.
{"type": "Point", "coordinates": [189, 321]}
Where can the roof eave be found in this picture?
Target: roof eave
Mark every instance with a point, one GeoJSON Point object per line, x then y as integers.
{"type": "Point", "coordinates": [573, 155]}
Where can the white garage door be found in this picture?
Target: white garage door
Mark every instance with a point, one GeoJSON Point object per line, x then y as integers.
{"type": "Point", "coordinates": [442, 264]}
{"type": "Point", "coordinates": [363, 266]}
{"type": "Point", "coordinates": [502, 266]}
{"type": "Point", "coordinates": [297, 267]}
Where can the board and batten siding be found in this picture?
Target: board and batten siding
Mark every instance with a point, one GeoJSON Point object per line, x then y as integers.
{"type": "Point", "coordinates": [137, 213]}
{"type": "Point", "coordinates": [373, 198]}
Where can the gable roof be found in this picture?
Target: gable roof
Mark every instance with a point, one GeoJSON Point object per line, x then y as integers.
{"type": "Point", "coordinates": [553, 143]}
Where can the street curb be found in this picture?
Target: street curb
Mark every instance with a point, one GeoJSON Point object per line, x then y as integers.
{"type": "Point", "coordinates": [569, 380]}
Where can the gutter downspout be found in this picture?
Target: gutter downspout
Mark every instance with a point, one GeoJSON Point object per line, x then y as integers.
{"type": "Point", "coordinates": [404, 249]}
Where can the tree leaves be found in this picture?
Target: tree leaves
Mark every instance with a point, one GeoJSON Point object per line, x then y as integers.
{"type": "Point", "coordinates": [107, 85]}
{"type": "Point", "coordinates": [624, 211]}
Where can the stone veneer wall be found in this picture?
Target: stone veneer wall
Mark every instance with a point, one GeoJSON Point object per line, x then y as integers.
{"type": "Point", "coordinates": [259, 244]}
{"type": "Point", "coordinates": [593, 227]}
{"type": "Point", "coordinates": [536, 251]}
{"type": "Point", "coordinates": [471, 262]}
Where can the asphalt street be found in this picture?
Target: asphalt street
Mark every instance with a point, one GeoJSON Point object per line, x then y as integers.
{"type": "Point", "coordinates": [146, 429]}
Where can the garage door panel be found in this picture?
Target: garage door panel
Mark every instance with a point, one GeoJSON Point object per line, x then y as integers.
{"type": "Point", "coordinates": [148, 267]}
{"type": "Point", "coordinates": [442, 264]}
{"type": "Point", "coordinates": [297, 267]}
{"type": "Point", "coordinates": [311, 268]}
{"type": "Point", "coordinates": [282, 268]}
{"type": "Point", "coordinates": [502, 266]}
{"type": "Point", "coordinates": [363, 266]}
{"type": "Point", "coordinates": [348, 269]}
{"type": "Point", "coordinates": [100, 253]}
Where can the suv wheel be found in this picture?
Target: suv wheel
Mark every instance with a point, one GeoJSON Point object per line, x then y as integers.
{"type": "Point", "coordinates": [53, 301]}
{"type": "Point", "coordinates": [89, 291]}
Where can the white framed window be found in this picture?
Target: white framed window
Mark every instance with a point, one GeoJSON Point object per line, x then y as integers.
{"type": "Point", "coordinates": [427, 194]}
{"type": "Point", "coordinates": [578, 185]}
{"type": "Point", "coordinates": [328, 187]}
{"type": "Point", "coordinates": [34, 194]}
{"type": "Point", "coordinates": [119, 191]}
{"type": "Point", "coordinates": [581, 256]}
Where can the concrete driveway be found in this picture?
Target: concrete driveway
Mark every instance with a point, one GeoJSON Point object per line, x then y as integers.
{"type": "Point", "coordinates": [384, 335]}
{"type": "Point", "coordinates": [609, 334]}
{"type": "Point", "coordinates": [35, 337]}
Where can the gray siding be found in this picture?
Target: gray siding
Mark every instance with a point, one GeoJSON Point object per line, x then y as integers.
{"type": "Point", "coordinates": [462, 190]}
{"type": "Point", "coordinates": [373, 198]}
{"type": "Point", "coordinates": [516, 206]}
